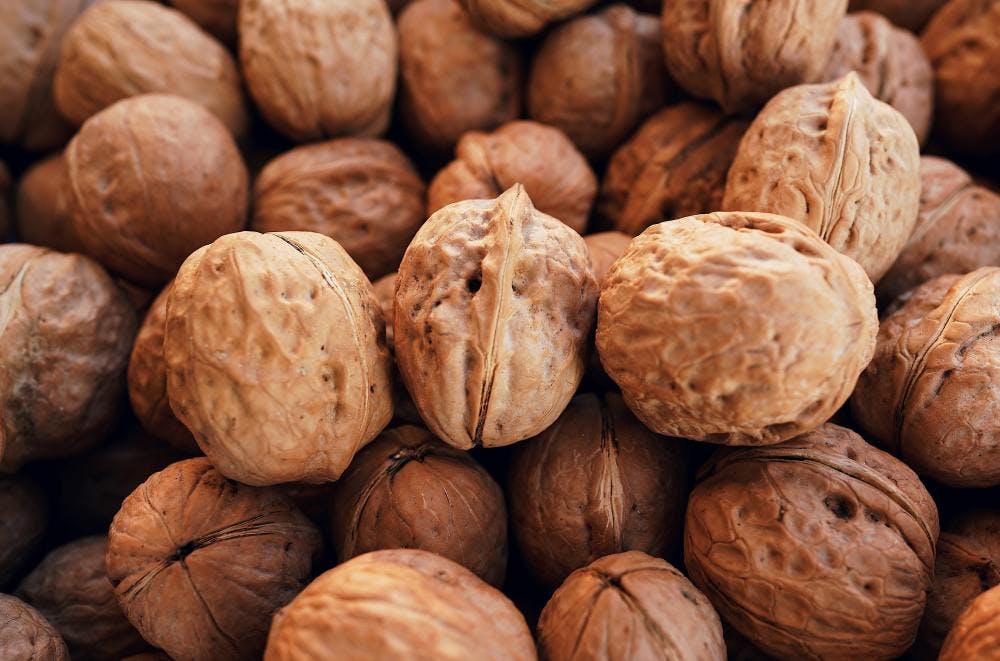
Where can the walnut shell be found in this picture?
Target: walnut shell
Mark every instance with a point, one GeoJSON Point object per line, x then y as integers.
{"type": "Point", "coordinates": [385, 288]}
{"type": "Point", "coordinates": [363, 193]}
{"type": "Point", "coordinates": [44, 217]}
{"type": "Point", "coordinates": [541, 158]}
{"type": "Point", "coordinates": [26, 635]}
{"type": "Point", "coordinates": [217, 17]}
{"type": "Point", "coordinates": [22, 526]}
{"type": "Point", "coordinates": [629, 606]}
{"type": "Point", "coordinates": [403, 603]}
{"type": "Point", "coordinates": [605, 248]}
{"type": "Point", "coordinates": [735, 328]}
{"type": "Point", "coordinates": [275, 356]}
{"type": "Point", "coordinates": [494, 307]}
{"type": "Point", "coordinates": [909, 14]}
{"type": "Point", "coordinates": [820, 548]}
{"type": "Point", "coordinates": [521, 18]}
{"type": "Point", "coordinates": [838, 160]}
{"type": "Point", "coordinates": [200, 563]}
{"type": "Point", "coordinates": [975, 634]}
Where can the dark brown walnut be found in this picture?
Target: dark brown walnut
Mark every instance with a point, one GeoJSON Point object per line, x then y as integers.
{"type": "Point", "coordinates": [629, 606]}
{"type": "Point", "coordinates": [735, 328]}
{"type": "Point", "coordinates": [5, 189]}
{"type": "Point", "coordinates": [541, 158]}
{"type": "Point", "coordinates": [605, 248]}
{"type": "Point", "coordinates": [403, 603]}
{"type": "Point", "coordinates": [674, 166]}
{"type": "Point", "coordinates": [25, 635]}
{"type": "Point", "coordinates": [217, 17]}
{"type": "Point", "coordinates": [976, 634]}
{"type": "Point", "coordinates": [741, 54]}
{"type": "Point", "coordinates": [362, 192]}
{"type": "Point", "coordinates": [43, 214]}
{"type": "Point", "coordinates": [494, 307]}
{"type": "Point", "coordinates": [200, 563]}
{"type": "Point", "coordinates": [409, 490]}
{"type": "Point", "coordinates": [319, 68]}
{"type": "Point", "coordinates": [521, 18]}
{"type": "Point", "coordinates": [909, 14]}
{"type": "Point", "coordinates": [22, 526]}
{"type": "Point", "coordinates": [838, 160]}
{"type": "Point", "coordinates": [821, 547]}
{"type": "Point", "coordinates": [453, 77]}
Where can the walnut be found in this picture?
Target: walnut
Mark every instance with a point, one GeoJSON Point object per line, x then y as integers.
{"type": "Point", "coordinates": [541, 158]}
{"type": "Point", "coordinates": [276, 359]}
{"type": "Point", "coordinates": [494, 306]}
{"type": "Point", "coordinates": [821, 547]}
{"type": "Point", "coordinates": [22, 526]}
{"type": "Point", "coordinates": [596, 77]}
{"type": "Point", "coordinates": [200, 563]}
{"type": "Point", "coordinates": [401, 603]}
{"type": "Point", "coordinates": [605, 248]}
{"type": "Point", "coordinates": [735, 328]}
{"type": "Point", "coordinates": [521, 18]}
{"type": "Point", "coordinates": [838, 160]}
{"type": "Point", "coordinates": [217, 17]}
{"type": "Point", "coordinates": [26, 636]}
{"type": "Point", "coordinates": [363, 193]}
{"type": "Point", "coordinates": [43, 213]}
{"type": "Point", "coordinates": [975, 634]}
{"type": "Point", "coordinates": [385, 288]}
{"type": "Point", "coordinates": [909, 14]}
{"type": "Point", "coordinates": [319, 68]}
{"type": "Point", "coordinates": [629, 606]}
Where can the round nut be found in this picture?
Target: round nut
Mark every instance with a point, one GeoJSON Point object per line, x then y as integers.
{"type": "Point", "coordinates": [605, 248]}
{"type": "Point", "coordinates": [975, 633]}
{"type": "Point", "coordinates": [44, 217]}
{"type": "Point", "coordinates": [217, 17]}
{"type": "Point", "coordinates": [520, 18]}
{"type": "Point", "coordinates": [909, 14]}
{"type": "Point", "coordinates": [26, 634]}
{"type": "Point", "coordinates": [22, 526]}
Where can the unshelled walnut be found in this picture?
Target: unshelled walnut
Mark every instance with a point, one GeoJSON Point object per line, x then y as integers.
{"type": "Point", "coordinates": [362, 192]}
{"type": "Point", "coordinates": [276, 357]}
{"type": "Point", "coordinates": [629, 606]}
{"type": "Point", "coordinates": [838, 160]}
{"type": "Point", "coordinates": [976, 634]}
{"type": "Point", "coordinates": [493, 310]}
{"type": "Point", "coordinates": [521, 18]}
{"type": "Point", "coordinates": [596, 77]}
{"type": "Point", "coordinates": [735, 328]}
{"type": "Point", "coordinates": [605, 248]}
{"type": "Point", "coordinates": [200, 563]}
{"type": "Point", "coordinates": [401, 603]}
{"type": "Point", "coordinates": [25, 635]}
{"type": "Point", "coordinates": [453, 77]}
{"type": "Point", "coordinates": [22, 526]}
{"type": "Point", "coordinates": [742, 54]}
{"type": "Point", "coordinates": [541, 158]}
{"type": "Point", "coordinates": [409, 490]}
{"type": "Point", "coordinates": [320, 68]}
{"type": "Point", "coordinates": [909, 14]}
{"type": "Point", "coordinates": [43, 212]}
{"type": "Point", "coordinates": [821, 547]}
{"type": "Point", "coordinates": [217, 17]}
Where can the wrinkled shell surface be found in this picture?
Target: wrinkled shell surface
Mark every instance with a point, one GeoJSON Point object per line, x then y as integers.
{"type": "Point", "coordinates": [26, 636]}
{"type": "Point", "coordinates": [43, 213]}
{"type": "Point", "coordinates": [521, 18]}
{"type": "Point", "coordinates": [605, 248]}
{"type": "Point", "coordinates": [25, 518]}
{"type": "Point", "coordinates": [909, 14]}
{"type": "Point", "coordinates": [976, 634]}
{"type": "Point", "coordinates": [217, 17]}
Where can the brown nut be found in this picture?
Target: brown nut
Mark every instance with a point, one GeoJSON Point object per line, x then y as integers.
{"type": "Point", "coordinates": [629, 606]}
{"type": "Point", "coordinates": [975, 634]}
{"type": "Point", "coordinates": [409, 490]}
{"type": "Point", "coordinates": [820, 548]}
{"type": "Point", "coordinates": [22, 525]}
{"type": "Point", "coordinates": [838, 160]}
{"type": "Point", "coordinates": [453, 78]}
{"type": "Point", "coordinates": [200, 563]}
{"type": "Point", "coordinates": [494, 308]}
{"type": "Point", "coordinates": [217, 17]}
{"type": "Point", "coordinates": [605, 248]}
{"type": "Point", "coordinates": [362, 192]}
{"type": "Point", "coordinates": [26, 635]}
{"type": "Point", "coordinates": [521, 18]}
{"type": "Point", "coordinates": [385, 288]}
{"type": "Point", "coordinates": [735, 328]}
{"type": "Point", "coordinates": [597, 76]}
{"type": "Point", "coordinates": [909, 14]}
{"type": "Point", "coordinates": [541, 158]}
{"type": "Point", "coordinates": [44, 217]}
{"type": "Point", "coordinates": [401, 603]}
{"type": "Point", "coordinates": [276, 359]}
{"type": "Point", "coordinates": [319, 68]}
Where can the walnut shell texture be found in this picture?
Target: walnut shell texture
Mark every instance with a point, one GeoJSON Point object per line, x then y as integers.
{"type": "Point", "coordinates": [605, 248]}
{"type": "Point", "coordinates": [22, 526]}
{"type": "Point", "coordinates": [976, 634]}
{"type": "Point", "coordinates": [217, 17]}
{"type": "Point", "coordinates": [521, 18]}
{"type": "Point", "coordinates": [909, 14]}
{"type": "Point", "coordinates": [25, 635]}
{"type": "Point", "coordinates": [44, 217]}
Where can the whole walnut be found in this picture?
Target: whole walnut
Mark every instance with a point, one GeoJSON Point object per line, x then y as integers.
{"type": "Point", "coordinates": [735, 328]}
{"type": "Point", "coordinates": [362, 192]}
{"type": "Point", "coordinates": [43, 212]}
{"type": "Point", "coordinates": [403, 603]}
{"type": "Point", "coordinates": [674, 166]}
{"type": "Point", "coordinates": [494, 307]}
{"type": "Point", "coordinates": [123, 48]}
{"type": "Point", "coordinates": [26, 635]}
{"type": "Point", "coordinates": [597, 76]}
{"type": "Point", "coordinates": [64, 344]}
{"type": "Point", "coordinates": [276, 358]}
{"type": "Point", "coordinates": [975, 634]}
{"type": "Point", "coordinates": [22, 526]}
{"type": "Point", "coordinates": [931, 394]}
{"type": "Point", "coordinates": [605, 248]}
{"type": "Point", "coordinates": [178, 179]}
{"type": "Point", "coordinates": [629, 606]}
{"type": "Point", "coordinates": [821, 547]}
{"type": "Point", "coordinates": [453, 78]}
{"type": "Point", "coordinates": [319, 68]}
{"type": "Point", "coordinates": [741, 54]}
{"type": "Point", "coordinates": [541, 158]}
{"type": "Point", "coordinates": [909, 14]}
{"type": "Point", "coordinates": [217, 17]}
{"type": "Point", "coordinates": [200, 563]}
{"type": "Point", "coordinates": [838, 160]}
{"type": "Point", "coordinates": [409, 490]}
{"type": "Point", "coordinates": [957, 231]}
{"type": "Point", "coordinates": [521, 18]}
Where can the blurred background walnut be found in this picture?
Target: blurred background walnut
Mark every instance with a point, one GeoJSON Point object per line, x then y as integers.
{"type": "Point", "coordinates": [521, 18]}
{"type": "Point", "coordinates": [26, 634]}
{"type": "Point", "coordinates": [604, 249]}
{"type": "Point", "coordinates": [22, 526]}
{"type": "Point", "coordinates": [217, 17]}
{"type": "Point", "coordinates": [909, 14]}
{"type": "Point", "coordinates": [976, 631]}
{"type": "Point", "coordinates": [44, 217]}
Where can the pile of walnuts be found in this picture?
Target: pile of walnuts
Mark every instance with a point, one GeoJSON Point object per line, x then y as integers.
{"type": "Point", "coordinates": [574, 330]}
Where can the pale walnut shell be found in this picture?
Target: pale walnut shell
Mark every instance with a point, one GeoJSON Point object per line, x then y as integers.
{"type": "Point", "coordinates": [521, 18]}
{"type": "Point", "coordinates": [541, 158]}
{"type": "Point", "coordinates": [123, 48]}
{"type": "Point", "coordinates": [23, 525]}
{"type": "Point", "coordinates": [629, 606]}
{"type": "Point", "coordinates": [839, 161]}
{"type": "Point", "coordinates": [320, 68]}
{"type": "Point", "coordinates": [362, 192]}
{"type": "Point", "coordinates": [494, 308]}
{"type": "Point", "coordinates": [25, 635]}
{"type": "Point", "coordinates": [605, 248]}
{"type": "Point", "coordinates": [976, 634]}
{"type": "Point", "coordinates": [217, 17]}
{"type": "Point", "coordinates": [401, 603]}
{"type": "Point", "coordinates": [735, 328]}
{"type": "Point", "coordinates": [742, 53]}
{"type": "Point", "coordinates": [909, 14]}
{"type": "Point", "coordinates": [409, 490]}
{"type": "Point", "coordinates": [44, 217]}
{"type": "Point", "coordinates": [276, 358]}
{"type": "Point", "coordinates": [820, 548]}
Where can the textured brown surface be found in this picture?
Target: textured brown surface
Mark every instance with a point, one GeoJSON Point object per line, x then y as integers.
{"type": "Point", "coordinates": [521, 18]}
{"type": "Point", "coordinates": [25, 635]}
{"type": "Point", "coordinates": [604, 249]}
{"type": "Point", "coordinates": [25, 518]}
{"type": "Point", "coordinates": [909, 14]}
{"type": "Point", "coordinates": [217, 17]}
{"type": "Point", "coordinates": [976, 634]}
{"type": "Point", "coordinates": [43, 213]}
{"type": "Point", "coordinates": [385, 288]}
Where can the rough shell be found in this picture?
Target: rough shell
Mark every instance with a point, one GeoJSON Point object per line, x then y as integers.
{"type": "Point", "coordinates": [521, 18]}
{"type": "Point", "coordinates": [43, 213]}
{"type": "Point", "coordinates": [22, 525]}
{"type": "Point", "coordinates": [26, 635]}
{"type": "Point", "coordinates": [217, 17]}
{"type": "Point", "coordinates": [976, 634]}
{"type": "Point", "coordinates": [909, 14]}
{"type": "Point", "coordinates": [605, 248]}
